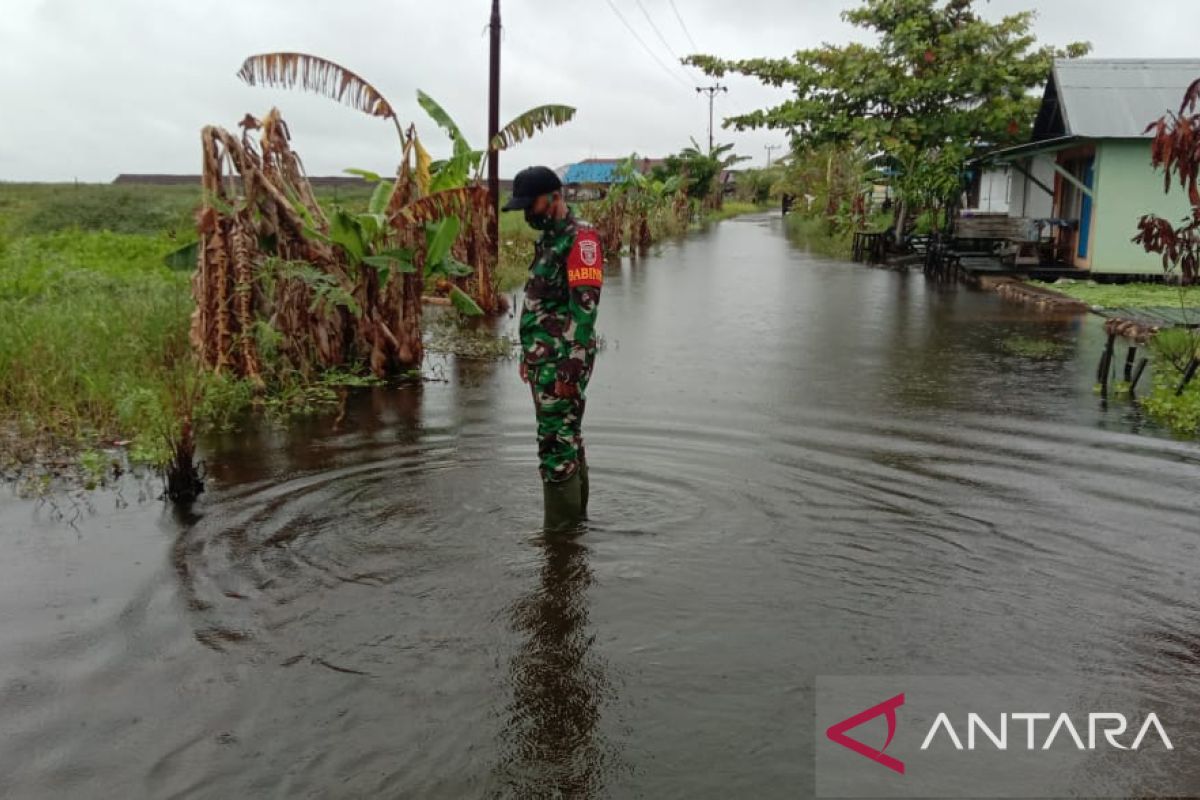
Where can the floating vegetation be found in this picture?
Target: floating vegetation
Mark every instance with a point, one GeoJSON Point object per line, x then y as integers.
{"type": "Point", "coordinates": [1030, 347]}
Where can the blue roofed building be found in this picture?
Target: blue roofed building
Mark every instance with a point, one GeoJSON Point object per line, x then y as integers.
{"type": "Point", "coordinates": [590, 178]}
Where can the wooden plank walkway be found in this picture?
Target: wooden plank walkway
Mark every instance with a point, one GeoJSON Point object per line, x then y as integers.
{"type": "Point", "coordinates": [1156, 316]}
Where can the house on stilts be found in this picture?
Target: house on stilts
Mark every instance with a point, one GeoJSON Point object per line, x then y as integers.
{"type": "Point", "coordinates": [1073, 194]}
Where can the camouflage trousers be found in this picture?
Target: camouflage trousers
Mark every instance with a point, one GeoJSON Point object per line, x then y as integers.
{"type": "Point", "coordinates": [559, 423]}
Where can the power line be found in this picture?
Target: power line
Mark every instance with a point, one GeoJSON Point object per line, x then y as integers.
{"type": "Point", "coordinates": [711, 91]}
{"type": "Point", "coordinates": [662, 38]}
{"type": "Point", "coordinates": [691, 41]}
{"type": "Point", "coordinates": [645, 47]}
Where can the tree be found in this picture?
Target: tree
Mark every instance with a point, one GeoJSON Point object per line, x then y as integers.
{"type": "Point", "coordinates": [1176, 151]}
{"type": "Point", "coordinates": [940, 83]}
{"type": "Point", "coordinates": [699, 170]}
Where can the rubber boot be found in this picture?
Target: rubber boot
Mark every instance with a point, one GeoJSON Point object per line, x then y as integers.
{"type": "Point", "coordinates": [583, 486]}
{"type": "Point", "coordinates": [562, 503]}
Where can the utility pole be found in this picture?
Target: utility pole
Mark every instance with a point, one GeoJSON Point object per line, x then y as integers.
{"type": "Point", "coordinates": [493, 129]}
{"type": "Point", "coordinates": [769, 148]}
{"type": "Point", "coordinates": [711, 91]}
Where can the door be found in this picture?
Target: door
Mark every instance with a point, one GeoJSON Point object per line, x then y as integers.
{"type": "Point", "coordinates": [1085, 211]}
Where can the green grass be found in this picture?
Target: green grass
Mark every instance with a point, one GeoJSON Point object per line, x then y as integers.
{"type": "Point", "coordinates": [1170, 352]}
{"type": "Point", "coordinates": [94, 335]}
{"type": "Point", "coordinates": [1180, 414]}
{"type": "Point", "coordinates": [44, 208]}
{"type": "Point", "coordinates": [825, 238]}
{"type": "Point", "coordinates": [1128, 295]}
{"type": "Point", "coordinates": [820, 236]}
{"type": "Point", "coordinates": [733, 208]}
{"type": "Point", "coordinates": [516, 250]}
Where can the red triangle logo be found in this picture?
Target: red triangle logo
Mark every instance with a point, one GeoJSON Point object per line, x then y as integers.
{"type": "Point", "coordinates": [837, 733]}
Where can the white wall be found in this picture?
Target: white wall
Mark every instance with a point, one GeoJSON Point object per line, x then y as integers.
{"type": "Point", "coordinates": [1027, 199]}
{"type": "Point", "coordinates": [994, 191]}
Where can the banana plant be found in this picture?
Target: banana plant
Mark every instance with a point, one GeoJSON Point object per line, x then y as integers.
{"type": "Point", "coordinates": [319, 75]}
{"type": "Point", "coordinates": [442, 267]}
{"type": "Point", "coordinates": [466, 163]}
{"type": "Point", "coordinates": [455, 178]}
{"type": "Point", "coordinates": [328, 78]}
{"type": "Point", "coordinates": [364, 239]}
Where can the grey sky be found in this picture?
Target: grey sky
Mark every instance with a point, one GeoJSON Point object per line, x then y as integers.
{"type": "Point", "coordinates": [91, 88]}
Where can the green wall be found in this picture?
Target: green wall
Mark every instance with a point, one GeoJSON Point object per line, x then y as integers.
{"type": "Point", "coordinates": [1126, 187]}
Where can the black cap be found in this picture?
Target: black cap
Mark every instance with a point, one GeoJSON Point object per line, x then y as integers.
{"type": "Point", "coordinates": [530, 184]}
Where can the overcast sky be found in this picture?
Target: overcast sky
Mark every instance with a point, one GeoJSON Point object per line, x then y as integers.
{"type": "Point", "coordinates": [92, 88]}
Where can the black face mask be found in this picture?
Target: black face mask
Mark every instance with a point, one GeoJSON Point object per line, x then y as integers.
{"type": "Point", "coordinates": [539, 222]}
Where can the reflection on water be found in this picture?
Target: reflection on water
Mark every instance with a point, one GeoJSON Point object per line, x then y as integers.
{"type": "Point", "coordinates": [799, 467]}
{"type": "Point", "coordinates": [550, 746]}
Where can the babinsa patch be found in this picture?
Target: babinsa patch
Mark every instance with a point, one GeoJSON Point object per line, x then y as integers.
{"type": "Point", "coordinates": [585, 264]}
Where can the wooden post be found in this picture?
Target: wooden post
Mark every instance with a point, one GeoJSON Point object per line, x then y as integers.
{"type": "Point", "coordinates": [1129, 358]}
{"type": "Point", "coordinates": [1188, 374]}
{"type": "Point", "coordinates": [1105, 364]}
{"type": "Point", "coordinates": [1137, 375]}
{"type": "Point", "coordinates": [493, 129]}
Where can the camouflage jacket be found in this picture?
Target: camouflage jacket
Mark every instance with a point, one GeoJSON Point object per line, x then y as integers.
{"type": "Point", "coordinates": [562, 293]}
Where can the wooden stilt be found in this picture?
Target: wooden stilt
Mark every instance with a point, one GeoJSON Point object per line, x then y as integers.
{"type": "Point", "coordinates": [1129, 359]}
{"type": "Point", "coordinates": [1137, 374]}
{"type": "Point", "coordinates": [1188, 374]}
{"type": "Point", "coordinates": [1105, 364]}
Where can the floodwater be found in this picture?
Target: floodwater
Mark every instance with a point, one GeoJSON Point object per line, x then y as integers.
{"type": "Point", "coordinates": [799, 467]}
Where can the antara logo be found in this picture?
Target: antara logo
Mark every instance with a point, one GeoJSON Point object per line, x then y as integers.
{"type": "Point", "coordinates": [1111, 725]}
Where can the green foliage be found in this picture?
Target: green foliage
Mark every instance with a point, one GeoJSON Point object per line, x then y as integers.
{"type": "Point", "coordinates": [1030, 347]}
{"type": "Point", "coordinates": [938, 82]}
{"type": "Point", "coordinates": [390, 261]}
{"type": "Point", "coordinates": [760, 186]}
{"type": "Point", "coordinates": [530, 122]}
{"type": "Point", "coordinates": [463, 303]}
{"type": "Point", "coordinates": [93, 326]}
{"type": "Point", "coordinates": [730, 209]}
{"type": "Point", "coordinates": [830, 183]}
{"type": "Point", "coordinates": [1178, 413]}
{"type": "Point", "coordinates": [47, 208]}
{"type": "Point", "coordinates": [1130, 295]}
{"type": "Point", "coordinates": [366, 174]}
{"type": "Point", "coordinates": [929, 220]}
{"type": "Point", "coordinates": [696, 169]}
{"type": "Point", "coordinates": [325, 288]}
{"type": "Point", "coordinates": [439, 238]}
{"type": "Point", "coordinates": [96, 465]}
{"type": "Point", "coordinates": [826, 235]}
{"type": "Point", "coordinates": [1173, 348]}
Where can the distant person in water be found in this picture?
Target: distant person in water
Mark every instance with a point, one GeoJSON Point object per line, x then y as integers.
{"type": "Point", "coordinates": [558, 340]}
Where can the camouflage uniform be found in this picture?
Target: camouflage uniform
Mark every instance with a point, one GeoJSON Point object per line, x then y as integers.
{"type": "Point", "coordinates": [558, 339]}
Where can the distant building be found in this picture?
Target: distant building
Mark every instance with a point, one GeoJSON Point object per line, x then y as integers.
{"type": "Point", "coordinates": [1085, 178]}
{"type": "Point", "coordinates": [589, 179]}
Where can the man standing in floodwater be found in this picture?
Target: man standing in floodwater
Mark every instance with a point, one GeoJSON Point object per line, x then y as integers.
{"type": "Point", "coordinates": [558, 340]}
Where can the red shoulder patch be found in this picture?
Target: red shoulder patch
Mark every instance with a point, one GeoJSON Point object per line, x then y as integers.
{"type": "Point", "coordinates": [585, 264]}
